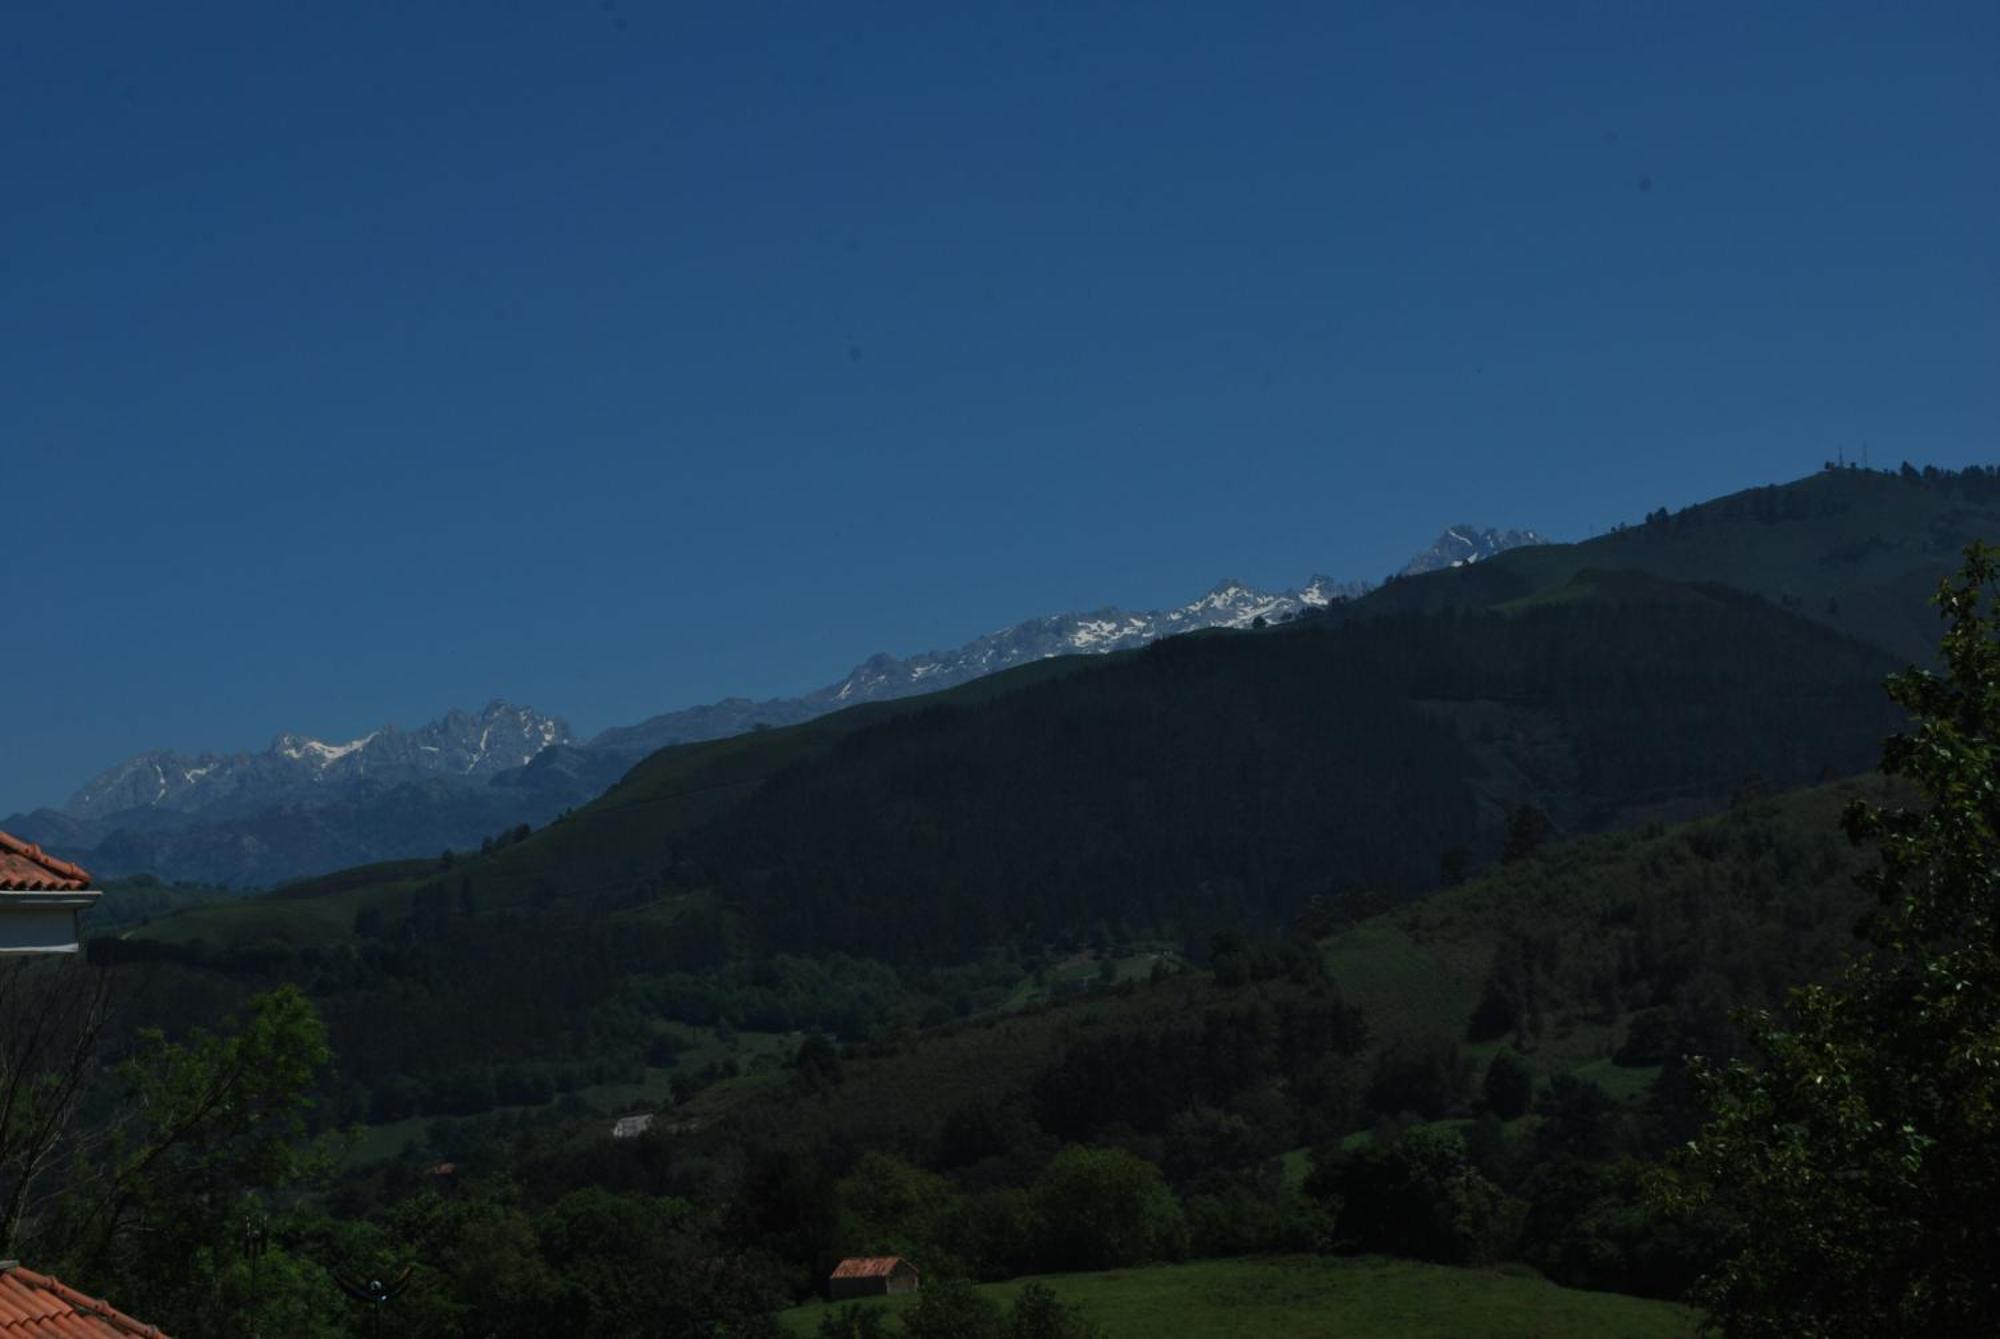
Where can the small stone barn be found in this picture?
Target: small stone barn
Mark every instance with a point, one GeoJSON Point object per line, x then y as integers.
{"type": "Point", "coordinates": [871, 1276]}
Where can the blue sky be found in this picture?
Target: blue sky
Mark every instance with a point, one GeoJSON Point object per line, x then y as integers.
{"type": "Point", "coordinates": [361, 360]}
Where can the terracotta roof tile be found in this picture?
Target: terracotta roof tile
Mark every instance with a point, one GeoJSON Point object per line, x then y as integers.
{"type": "Point", "coordinates": [35, 1306]}
{"type": "Point", "coordinates": [866, 1266]}
{"type": "Point", "coordinates": [27, 868]}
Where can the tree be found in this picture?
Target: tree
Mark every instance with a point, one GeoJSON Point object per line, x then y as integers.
{"type": "Point", "coordinates": [51, 1015]}
{"type": "Point", "coordinates": [816, 1067]}
{"type": "Point", "coordinates": [1101, 1208]}
{"type": "Point", "coordinates": [1860, 1154]}
{"type": "Point", "coordinates": [1039, 1314]}
{"type": "Point", "coordinates": [1426, 1076]}
{"type": "Point", "coordinates": [1509, 1089]}
{"type": "Point", "coordinates": [952, 1309]}
{"type": "Point", "coordinates": [173, 1208]}
{"type": "Point", "coordinates": [1414, 1194]}
{"type": "Point", "coordinates": [853, 1322]}
{"type": "Point", "coordinates": [889, 1207]}
{"type": "Point", "coordinates": [1528, 828]}
{"type": "Point", "coordinates": [786, 1205]}
{"type": "Point", "coordinates": [1504, 1000]}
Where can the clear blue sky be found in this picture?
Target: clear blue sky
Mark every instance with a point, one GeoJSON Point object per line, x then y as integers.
{"type": "Point", "coordinates": [360, 360]}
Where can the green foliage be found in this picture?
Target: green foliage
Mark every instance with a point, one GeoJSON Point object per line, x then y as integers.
{"type": "Point", "coordinates": [1418, 1194]}
{"type": "Point", "coordinates": [1362, 1297]}
{"type": "Point", "coordinates": [853, 1322]}
{"type": "Point", "coordinates": [889, 1207]}
{"type": "Point", "coordinates": [480, 1264]}
{"type": "Point", "coordinates": [1528, 830]}
{"type": "Point", "coordinates": [1149, 1076]}
{"type": "Point", "coordinates": [173, 1211]}
{"type": "Point", "coordinates": [1861, 1153]}
{"type": "Point", "coordinates": [486, 1260]}
{"type": "Point", "coordinates": [953, 1309]}
{"type": "Point", "coordinates": [785, 1204]}
{"type": "Point", "coordinates": [1103, 1207]}
{"type": "Point", "coordinates": [1301, 757]}
{"type": "Point", "coordinates": [1426, 1077]}
{"type": "Point", "coordinates": [1038, 1313]}
{"type": "Point", "coordinates": [1509, 1089]}
{"type": "Point", "coordinates": [51, 1018]}
{"type": "Point", "coordinates": [816, 1065]}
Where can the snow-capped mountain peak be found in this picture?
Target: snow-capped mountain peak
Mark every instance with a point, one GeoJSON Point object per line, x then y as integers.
{"type": "Point", "coordinates": [462, 744]}
{"type": "Point", "coordinates": [315, 752]}
{"type": "Point", "coordinates": [1230, 603]}
{"type": "Point", "coordinates": [1462, 545]}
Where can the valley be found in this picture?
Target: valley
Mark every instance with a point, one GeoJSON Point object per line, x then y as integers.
{"type": "Point", "coordinates": [1049, 671]}
{"type": "Point", "coordinates": [1387, 928]}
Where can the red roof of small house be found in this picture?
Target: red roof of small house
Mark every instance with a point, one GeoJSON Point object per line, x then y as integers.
{"type": "Point", "coordinates": [27, 868]}
{"type": "Point", "coordinates": [869, 1267]}
{"type": "Point", "coordinates": [35, 1306]}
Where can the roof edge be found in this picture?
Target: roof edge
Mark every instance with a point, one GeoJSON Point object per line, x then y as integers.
{"type": "Point", "coordinates": [95, 1307]}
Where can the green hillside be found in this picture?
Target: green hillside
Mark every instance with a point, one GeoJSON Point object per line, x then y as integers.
{"type": "Point", "coordinates": [1385, 932]}
{"type": "Point", "coordinates": [612, 852]}
{"type": "Point", "coordinates": [1266, 1095]}
{"type": "Point", "coordinates": [1857, 550]}
{"type": "Point", "coordinates": [1672, 925]}
{"type": "Point", "coordinates": [1853, 551]}
{"type": "Point", "coordinates": [1224, 780]}
{"type": "Point", "coordinates": [1205, 783]}
{"type": "Point", "coordinates": [1306, 1298]}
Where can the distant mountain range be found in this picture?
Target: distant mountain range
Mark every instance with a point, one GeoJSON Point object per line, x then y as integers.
{"type": "Point", "coordinates": [1231, 604]}
{"type": "Point", "coordinates": [460, 745]}
{"type": "Point", "coordinates": [304, 805]}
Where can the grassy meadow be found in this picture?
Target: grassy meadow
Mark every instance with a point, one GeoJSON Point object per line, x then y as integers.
{"type": "Point", "coordinates": [1362, 1297]}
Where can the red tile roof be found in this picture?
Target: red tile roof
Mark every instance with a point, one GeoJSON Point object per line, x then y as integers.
{"type": "Point", "coordinates": [35, 1306]}
{"type": "Point", "coordinates": [26, 868]}
{"type": "Point", "coordinates": [866, 1267]}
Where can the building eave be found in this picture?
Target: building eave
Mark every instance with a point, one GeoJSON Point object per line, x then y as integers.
{"type": "Point", "coordinates": [44, 899]}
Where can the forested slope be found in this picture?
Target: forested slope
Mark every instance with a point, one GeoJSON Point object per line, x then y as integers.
{"type": "Point", "coordinates": [1857, 550]}
{"type": "Point", "coordinates": [1223, 780]}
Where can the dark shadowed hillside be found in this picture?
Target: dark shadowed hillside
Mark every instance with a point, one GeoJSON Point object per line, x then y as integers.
{"type": "Point", "coordinates": [1226, 779]}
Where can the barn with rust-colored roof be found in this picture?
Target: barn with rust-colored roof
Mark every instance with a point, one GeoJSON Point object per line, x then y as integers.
{"type": "Point", "coordinates": [35, 1306]}
{"type": "Point", "coordinates": [40, 897]}
{"type": "Point", "coordinates": [871, 1276]}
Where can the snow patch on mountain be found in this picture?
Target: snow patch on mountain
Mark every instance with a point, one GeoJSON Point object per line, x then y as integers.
{"type": "Point", "coordinates": [1229, 604]}
{"type": "Point", "coordinates": [463, 744]}
{"type": "Point", "coordinates": [1462, 545]}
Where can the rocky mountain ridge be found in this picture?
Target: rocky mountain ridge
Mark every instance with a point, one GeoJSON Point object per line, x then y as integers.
{"type": "Point", "coordinates": [1462, 545]}
{"type": "Point", "coordinates": [459, 745]}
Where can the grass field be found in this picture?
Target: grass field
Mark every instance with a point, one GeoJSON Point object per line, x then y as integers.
{"type": "Point", "coordinates": [1314, 1298]}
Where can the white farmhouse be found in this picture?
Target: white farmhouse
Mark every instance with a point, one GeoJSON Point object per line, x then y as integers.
{"type": "Point", "coordinates": [40, 897]}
